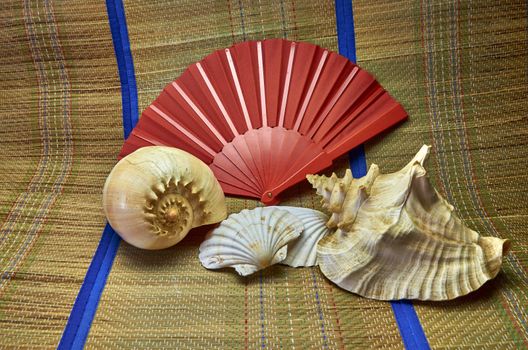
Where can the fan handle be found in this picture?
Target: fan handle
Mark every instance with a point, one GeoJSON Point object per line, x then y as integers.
{"type": "Point", "coordinates": [322, 161]}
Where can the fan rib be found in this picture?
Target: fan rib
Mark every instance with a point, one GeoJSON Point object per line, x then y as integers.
{"type": "Point", "coordinates": [277, 139]}
{"type": "Point", "coordinates": [263, 114]}
{"type": "Point", "coordinates": [292, 142]}
{"type": "Point", "coordinates": [303, 153]}
{"type": "Point", "coordinates": [269, 155]}
{"type": "Point", "coordinates": [331, 104]}
{"type": "Point", "coordinates": [232, 189]}
{"type": "Point", "coordinates": [311, 89]}
{"type": "Point", "coordinates": [183, 130]}
{"type": "Point", "coordinates": [217, 99]}
{"type": "Point", "coordinates": [287, 84]}
{"type": "Point", "coordinates": [165, 133]}
{"type": "Point", "coordinates": [242, 166]}
{"type": "Point", "coordinates": [151, 140]}
{"type": "Point", "coordinates": [134, 142]}
{"type": "Point", "coordinates": [238, 89]}
{"type": "Point", "coordinates": [274, 53]}
{"type": "Point", "coordinates": [229, 158]}
{"type": "Point", "coordinates": [199, 113]}
{"type": "Point", "coordinates": [246, 63]}
{"type": "Point", "coordinates": [253, 145]}
{"type": "Point", "coordinates": [352, 117]}
{"type": "Point", "coordinates": [262, 84]}
{"type": "Point", "coordinates": [367, 131]}
{"type": "Point", "coordinates": [321, 161]}
{"type": "Point", "coordinates": [242, 149]}
{"type": "Point", "coordinates": [334, 71]}
{"type": "Point", "coordinates": [227, 177]}
{"type": "Point", "coordinates": [263, 147]}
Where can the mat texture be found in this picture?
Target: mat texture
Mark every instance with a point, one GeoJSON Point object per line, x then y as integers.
{"type": "Point", "coordinates": [60, 110]}
{"type": "Point", "coordinates": [459, 68]}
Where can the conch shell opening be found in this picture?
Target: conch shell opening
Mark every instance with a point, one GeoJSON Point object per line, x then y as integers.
{"type": "Point", "coordinates": [397, 238]}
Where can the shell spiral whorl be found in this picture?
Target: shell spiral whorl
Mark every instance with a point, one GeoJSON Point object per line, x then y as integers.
{"type": "Point", "coordinates": [171, 212]}
{"type": "Point", "coordinates": [154, 196]}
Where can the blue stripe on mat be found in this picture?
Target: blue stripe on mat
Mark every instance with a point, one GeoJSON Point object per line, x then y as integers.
{"type": "Point", "coordinates": [83, 311]}
{"type": "Point", "coordinates": [125, 64]}
{"type": "Point", "coordinates": [411, 330]}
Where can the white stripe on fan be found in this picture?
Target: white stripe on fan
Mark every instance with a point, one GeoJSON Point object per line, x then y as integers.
{"type": "Point", "coordinates": [310, 91]}
{"type": "Point", "coordinates": [262, 85]}
{"type": "Point", "coordinates": [183, 130]}
{"type": "Point", "coordinates": [217, 99]}
{"type": "Point", "coordinates": [238, 89]}
{"type": "Point", "coordinates": [339, 92]}
{"type": "Point", "coordinates": [322, 116]}
{"type": "Point", "coordinates": [287, 84]}
{"type": "Point", "coordinates": [152, 142]}
{"type": "Point", "coordinates": [199, 113]}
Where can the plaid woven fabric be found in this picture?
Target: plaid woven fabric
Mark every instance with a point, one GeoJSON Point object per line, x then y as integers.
{"type": "Point", "coordinates": [459, 68]}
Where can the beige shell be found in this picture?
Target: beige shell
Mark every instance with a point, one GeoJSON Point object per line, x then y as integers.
{"type": "Point", "coordinates": [397, 238]}
{"type": "Point", "coordinates": [302, 252]}
{"type": "Point", "coordinates": [154, 196]}
{"type": "Point", "coordinates": [251, 240]}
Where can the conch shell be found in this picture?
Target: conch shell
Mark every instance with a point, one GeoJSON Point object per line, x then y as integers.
{"type": "Point", "coordinates": [397, 238]}
{"type": "Point", "coordinates": [154, 196]}
{"type": "Point", "coordinates": [251, 240]}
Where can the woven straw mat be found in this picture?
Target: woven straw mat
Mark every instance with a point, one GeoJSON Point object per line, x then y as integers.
{"type": "Point", "coordinates": [459, 68]}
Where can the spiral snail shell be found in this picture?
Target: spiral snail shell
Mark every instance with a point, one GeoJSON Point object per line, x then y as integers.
{"type": "Point", "coordinates": [154, 196]}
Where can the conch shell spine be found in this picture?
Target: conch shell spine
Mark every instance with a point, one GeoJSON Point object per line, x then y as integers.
{"type": "Point", "coordinates": [397, 238]}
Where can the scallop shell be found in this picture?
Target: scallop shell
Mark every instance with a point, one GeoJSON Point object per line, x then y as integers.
{"type": "Point", "coordinates": [302, 252]}
{"type": "Point", "coordinates": [250, 240]}
{"type": "Point", "coordinates": [397, 238]}
{"type": "Point", "coordinates": [154, 196]}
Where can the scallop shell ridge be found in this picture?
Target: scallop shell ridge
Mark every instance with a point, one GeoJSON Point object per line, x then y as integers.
{"type": "Point", "coordinates": [251, 240]}
{"type": "Point", "coordinates": [302, 252]}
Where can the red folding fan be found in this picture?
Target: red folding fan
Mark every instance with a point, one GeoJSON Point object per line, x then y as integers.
{"type": "Point", "coordinates": [263, 114]}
